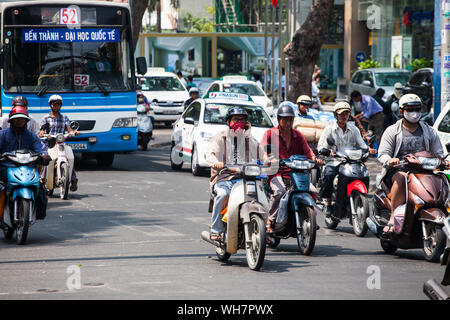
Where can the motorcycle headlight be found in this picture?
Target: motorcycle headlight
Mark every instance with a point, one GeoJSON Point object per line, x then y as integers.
{"type": "Point", "coordinates": [252, 171]}
{"type": "Point", "coordinates": [429, 163]}
{"type": "Point", "coordinates": [125, 123]}
{"type": "Point", "coordinates": [301, 165]}
{"type": "Point", "coordinates": [60, 138]}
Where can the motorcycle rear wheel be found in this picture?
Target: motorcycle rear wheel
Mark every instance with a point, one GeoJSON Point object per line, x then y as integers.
{"type": "Point", "coordinates": [24, 207]}
{"type": "Point", "coordinates": [306, 230]}
{"type": "Point", "coordinates": [8, 232]}
{"type": "Point", "coordinates": [257, 250]}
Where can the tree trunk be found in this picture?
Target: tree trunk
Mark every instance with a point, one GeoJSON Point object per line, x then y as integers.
{"type": "Point", "coordinates": [137, 12]}
{"type": "Point", "coordinates": [304, 49]}
{"type": "Point", "coordinates": [158, 16]}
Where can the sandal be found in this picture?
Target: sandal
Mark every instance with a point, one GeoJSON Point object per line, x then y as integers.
{"type": "Point", "coordinates": [215, 237]}
{"type": "Point", "coordinates": [385, 234]}
{"type": "Point", "coordinates": [269, 226]}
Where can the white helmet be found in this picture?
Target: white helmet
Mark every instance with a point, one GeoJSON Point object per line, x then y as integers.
{"type": "Point", "coordinates": [409, 99]}
{"type": "Point", "coordinates": [55, 98]}
{"type": "Point", "coordinates": [341, 107]}
{"type": "Point", "coordinates": [193, 89]}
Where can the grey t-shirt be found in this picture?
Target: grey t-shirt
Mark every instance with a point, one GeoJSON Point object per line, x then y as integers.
{"type": "Point", "coordinates": [412, 142]}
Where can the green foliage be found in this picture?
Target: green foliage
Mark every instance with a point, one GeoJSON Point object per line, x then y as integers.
{"type": "Point", "coordinates": [193, 24]}
{"type": "Point", "coordinates": [420, 63]}
{"type": "Point", "coordinates": [368, 64]}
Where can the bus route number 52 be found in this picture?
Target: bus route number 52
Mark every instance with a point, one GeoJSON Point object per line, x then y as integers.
{"type": "Point", "coordinates": [68, 16]}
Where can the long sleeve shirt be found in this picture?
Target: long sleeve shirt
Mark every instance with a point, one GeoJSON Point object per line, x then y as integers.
{"type": "Point", "coordinates": [370, 107]}
{"type": "Point", "coordinates": [12, 140]}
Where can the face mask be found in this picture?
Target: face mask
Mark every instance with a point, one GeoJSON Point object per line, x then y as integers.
{"type": "Point", "coordinates": [412, 117]}
{"type": "Point", "coordinates": [236, 126]}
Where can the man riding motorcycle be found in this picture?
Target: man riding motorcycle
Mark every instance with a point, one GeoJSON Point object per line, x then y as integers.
{"type": "Point", "coordinates": [228, 147]}
{"type": "Point", "coordinates": [344, 133]}
{"type": "Point", "coordinates": [58, 123]}
{"type": "Point", "coordinates": [407, 135]}
{"type": "Point", "coordinates": [282, 142]}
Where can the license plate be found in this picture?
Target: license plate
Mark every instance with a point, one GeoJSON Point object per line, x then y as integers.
{"type": "Point", "coordinates": [79, 146]}
{"type": "Point", "coordinates": [171, 112]}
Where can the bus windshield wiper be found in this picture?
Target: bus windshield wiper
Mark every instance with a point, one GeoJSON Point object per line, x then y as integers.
{"type": "Point", "coordinates": [97, 82]}
{"type": "Point", "coordinates": [42, 91]}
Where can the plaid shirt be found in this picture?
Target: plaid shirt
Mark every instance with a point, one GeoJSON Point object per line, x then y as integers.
{"type": "Point", "coordinates": [57, 125]}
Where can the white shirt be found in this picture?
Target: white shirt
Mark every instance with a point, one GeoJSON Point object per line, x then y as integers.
{"type": "Point", "coordinates": [32, 125]}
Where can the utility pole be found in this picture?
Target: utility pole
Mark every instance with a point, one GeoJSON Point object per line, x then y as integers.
{"type": "Point", "coordinates": [445, 53]}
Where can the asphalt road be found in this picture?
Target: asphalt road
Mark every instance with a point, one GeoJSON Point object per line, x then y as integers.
{"type": "Point", "coordinates": [133, 232]}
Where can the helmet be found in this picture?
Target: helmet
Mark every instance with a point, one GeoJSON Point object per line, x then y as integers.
{"type": "Point", "coordinates": [288, 103]}
{"type": "Point", "coordinates": [305, 100]}
{"type": "Point", "coordinates": [193, 90]}
{"type": "Point", "coordinates": [398, 90]}
{"type": "Point", "coordinates": [20, 101]}
{"type": "Point", "coordinates": [235, 111]}
{"type": "Point", "coordinates": [409, 99]}
{"type": "Point", "coordinates": [341, 107]}
{"type": "Point", "coordinates": [55, 98]}
{"type": "Point", "coordinates": [18, 112]}
{"type": "Point", "coordinates": [285, 111]}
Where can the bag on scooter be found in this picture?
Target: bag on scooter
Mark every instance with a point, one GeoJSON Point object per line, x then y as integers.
{"type": "Point", "coordinates": [41, 202]}
{"type": "Point", "coordinates": [283, 210]}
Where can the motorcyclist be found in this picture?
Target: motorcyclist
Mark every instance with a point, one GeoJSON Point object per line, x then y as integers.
{"type": "Point", "coordinates": [193, 93]}
{"type": "Point", "coordinates": [230, 146]}
{"type": "Point", "coordinates": [32, 124]}
{"type": "Point", "coordinates": [58, 123]}
{"type": "Point", "coordinates": [344, 133]}
{"type": "Point", "coordinates": [407, 135]}
{"type": "Point", "coordinates": [17, 137]}
{"type": "Point", "coordinates": [304, 102]}
{"type": "Point", "coordinates": [281, 142]}
{"type": "Point", "coordinates": [142, 99]}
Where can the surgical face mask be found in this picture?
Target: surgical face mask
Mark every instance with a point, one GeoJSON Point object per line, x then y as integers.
{"type": "Point", "coordinates": [412, 117]}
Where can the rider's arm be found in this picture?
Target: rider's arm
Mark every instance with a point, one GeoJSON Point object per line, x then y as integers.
{"type": "Point", "coordinates": [387, 146]}
{"type": "Point", "coordinates": [215, 151]}
{"type": "Point", "coordinates": [436, 144]}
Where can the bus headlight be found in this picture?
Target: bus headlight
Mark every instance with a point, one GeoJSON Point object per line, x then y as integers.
{"type": "Point", "coordinates": [125, 123]}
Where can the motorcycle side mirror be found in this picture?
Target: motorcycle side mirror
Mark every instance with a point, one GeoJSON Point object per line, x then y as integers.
{"type": "Point", "coordinates": [447, 146]}
{"type": "Point", "coordinates": [325, 152]}
{"type": "Point", "coordinates": [189, 120]}
{"type": "Point", "coordinates": [330, 141]}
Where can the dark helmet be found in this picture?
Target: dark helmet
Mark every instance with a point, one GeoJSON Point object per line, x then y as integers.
{"type": "Point", "coordinates": [18, 112]}
{"type": "Point", "coordinates": [236, 111]}
{"type": "Point", "coordinates": [20, 101]}
{"type": "Point", "coordinates": [285, 111]}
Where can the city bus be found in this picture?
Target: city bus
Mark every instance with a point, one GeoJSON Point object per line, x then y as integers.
{"type": "Point", "coordinates": [82, 52]}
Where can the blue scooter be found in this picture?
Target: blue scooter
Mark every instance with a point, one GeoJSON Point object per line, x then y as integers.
{"type": "Point", "coordinates": [21, 193]}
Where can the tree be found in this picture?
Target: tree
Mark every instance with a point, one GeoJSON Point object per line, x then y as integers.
{"type": "Point", "coordinates": [304, 49]}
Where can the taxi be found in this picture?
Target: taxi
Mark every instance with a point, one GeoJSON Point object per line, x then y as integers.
{"type": "Point", "coordinates": [204, 118]}
{"type": "Point", "coordinates": [240, 84]}
{"type": "Point", "coordinates": [442, 126]}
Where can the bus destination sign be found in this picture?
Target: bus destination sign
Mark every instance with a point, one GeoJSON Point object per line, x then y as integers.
{"type": "Point", "coordinates": [43, 35]}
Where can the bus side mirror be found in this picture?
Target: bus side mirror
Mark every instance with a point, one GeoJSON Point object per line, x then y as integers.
{"type": "Point", "coordinates": [141, 65]}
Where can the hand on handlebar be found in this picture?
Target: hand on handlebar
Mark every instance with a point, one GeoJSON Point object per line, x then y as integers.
{"type": "Point", "coordinates": [218, 166]}
{"type": "Point", "coordinates": [372, 151]}
{"type": "Point", "coordinates": [393, 162]}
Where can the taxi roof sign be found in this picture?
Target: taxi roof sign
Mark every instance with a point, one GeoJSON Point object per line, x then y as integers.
{"type": "Point", "coordinates": [156, 69]}
{"type": "Point", "coordinates": [234, 78]}
{"type": "Point", "coordinates": [229, 95]}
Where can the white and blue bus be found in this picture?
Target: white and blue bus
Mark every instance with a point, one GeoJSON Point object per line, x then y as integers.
{"type": "Point", "coordinates": [84, 53]}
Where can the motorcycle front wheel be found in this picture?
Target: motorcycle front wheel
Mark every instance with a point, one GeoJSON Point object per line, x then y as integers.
{"type": "Point", "coordinates": [435, 245]}
{"type": "Point", "coordinates": [257, 249]}
{"type": "Point", "coordinates": [305, 221]}
{"type": "Point", "coordinates": [65, 181]}
{"type": "Point", "coordinates": [359, 217]}
{"type": "Point", "coordinates": [23, 207]}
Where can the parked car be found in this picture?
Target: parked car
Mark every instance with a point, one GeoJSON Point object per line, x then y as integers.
{"type": "Point", "coordinates": [205, 117]}
{"type": "Point", "coordinates": [240, 84]}
{"type": "Point", "coordinates": [442, 125]}
{"type": "Point", "coordinates": [421, 83]}
{"type": "Point", "coordinates": [166, 93]}
{"type": "Point", "coordinates": [368, 81]}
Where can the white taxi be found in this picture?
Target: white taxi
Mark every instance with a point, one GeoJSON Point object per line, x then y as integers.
{"type": "Point", "coordinates": [240, 84]}
{"type": "Point", "coordinates": [204, 118]}
{"type": "Point", "coordinates": [442, 126]}
{"type": "Point", "coordinates": [166, 93]}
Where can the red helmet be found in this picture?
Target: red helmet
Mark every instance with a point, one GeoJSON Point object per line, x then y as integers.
{"type": "Point", "coordinates": [20, 101]}
{"type": "Point", "coordinates": [18, 112]}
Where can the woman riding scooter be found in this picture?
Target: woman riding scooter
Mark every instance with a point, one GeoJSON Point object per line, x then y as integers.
{"type": "Point", "coordinates": [408, 135]}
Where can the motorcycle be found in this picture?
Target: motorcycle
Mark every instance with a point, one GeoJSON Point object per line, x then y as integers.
{"type": "Point", "coordinates": [419, 222]}
{"type": "Point", "coordinates": [59, 169]}
{"type": "Point", "coordinates": [244, 217]}
{"type": "Point", "coordinates": [145, 124]}
{"type": "Point", "coordinates": [22, 188]}
{"type": "Point", "coordinates": [351, 185]}
{"type": "Point", "coordinates": [297, 216]}
{"type": "Point", "coordinates": [431, 288]}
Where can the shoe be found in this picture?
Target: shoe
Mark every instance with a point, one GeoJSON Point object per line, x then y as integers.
{"type": "Point", "coordinates": [74, 185]}
{"type": "Point", "coordinates": [269, 226]}
{"type": "Point", "coordinates": [329, 211]}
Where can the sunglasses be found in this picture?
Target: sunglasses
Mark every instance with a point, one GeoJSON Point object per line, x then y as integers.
{"type": "Point", "coordinates": [412, 109]}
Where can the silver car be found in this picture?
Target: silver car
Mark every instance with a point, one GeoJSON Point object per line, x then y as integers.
{"type": "Point", "coordinates": [368, 81]}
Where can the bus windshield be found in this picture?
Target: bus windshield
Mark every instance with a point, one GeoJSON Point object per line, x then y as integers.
{"type": "Point", "coordinates": [39, 67]}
